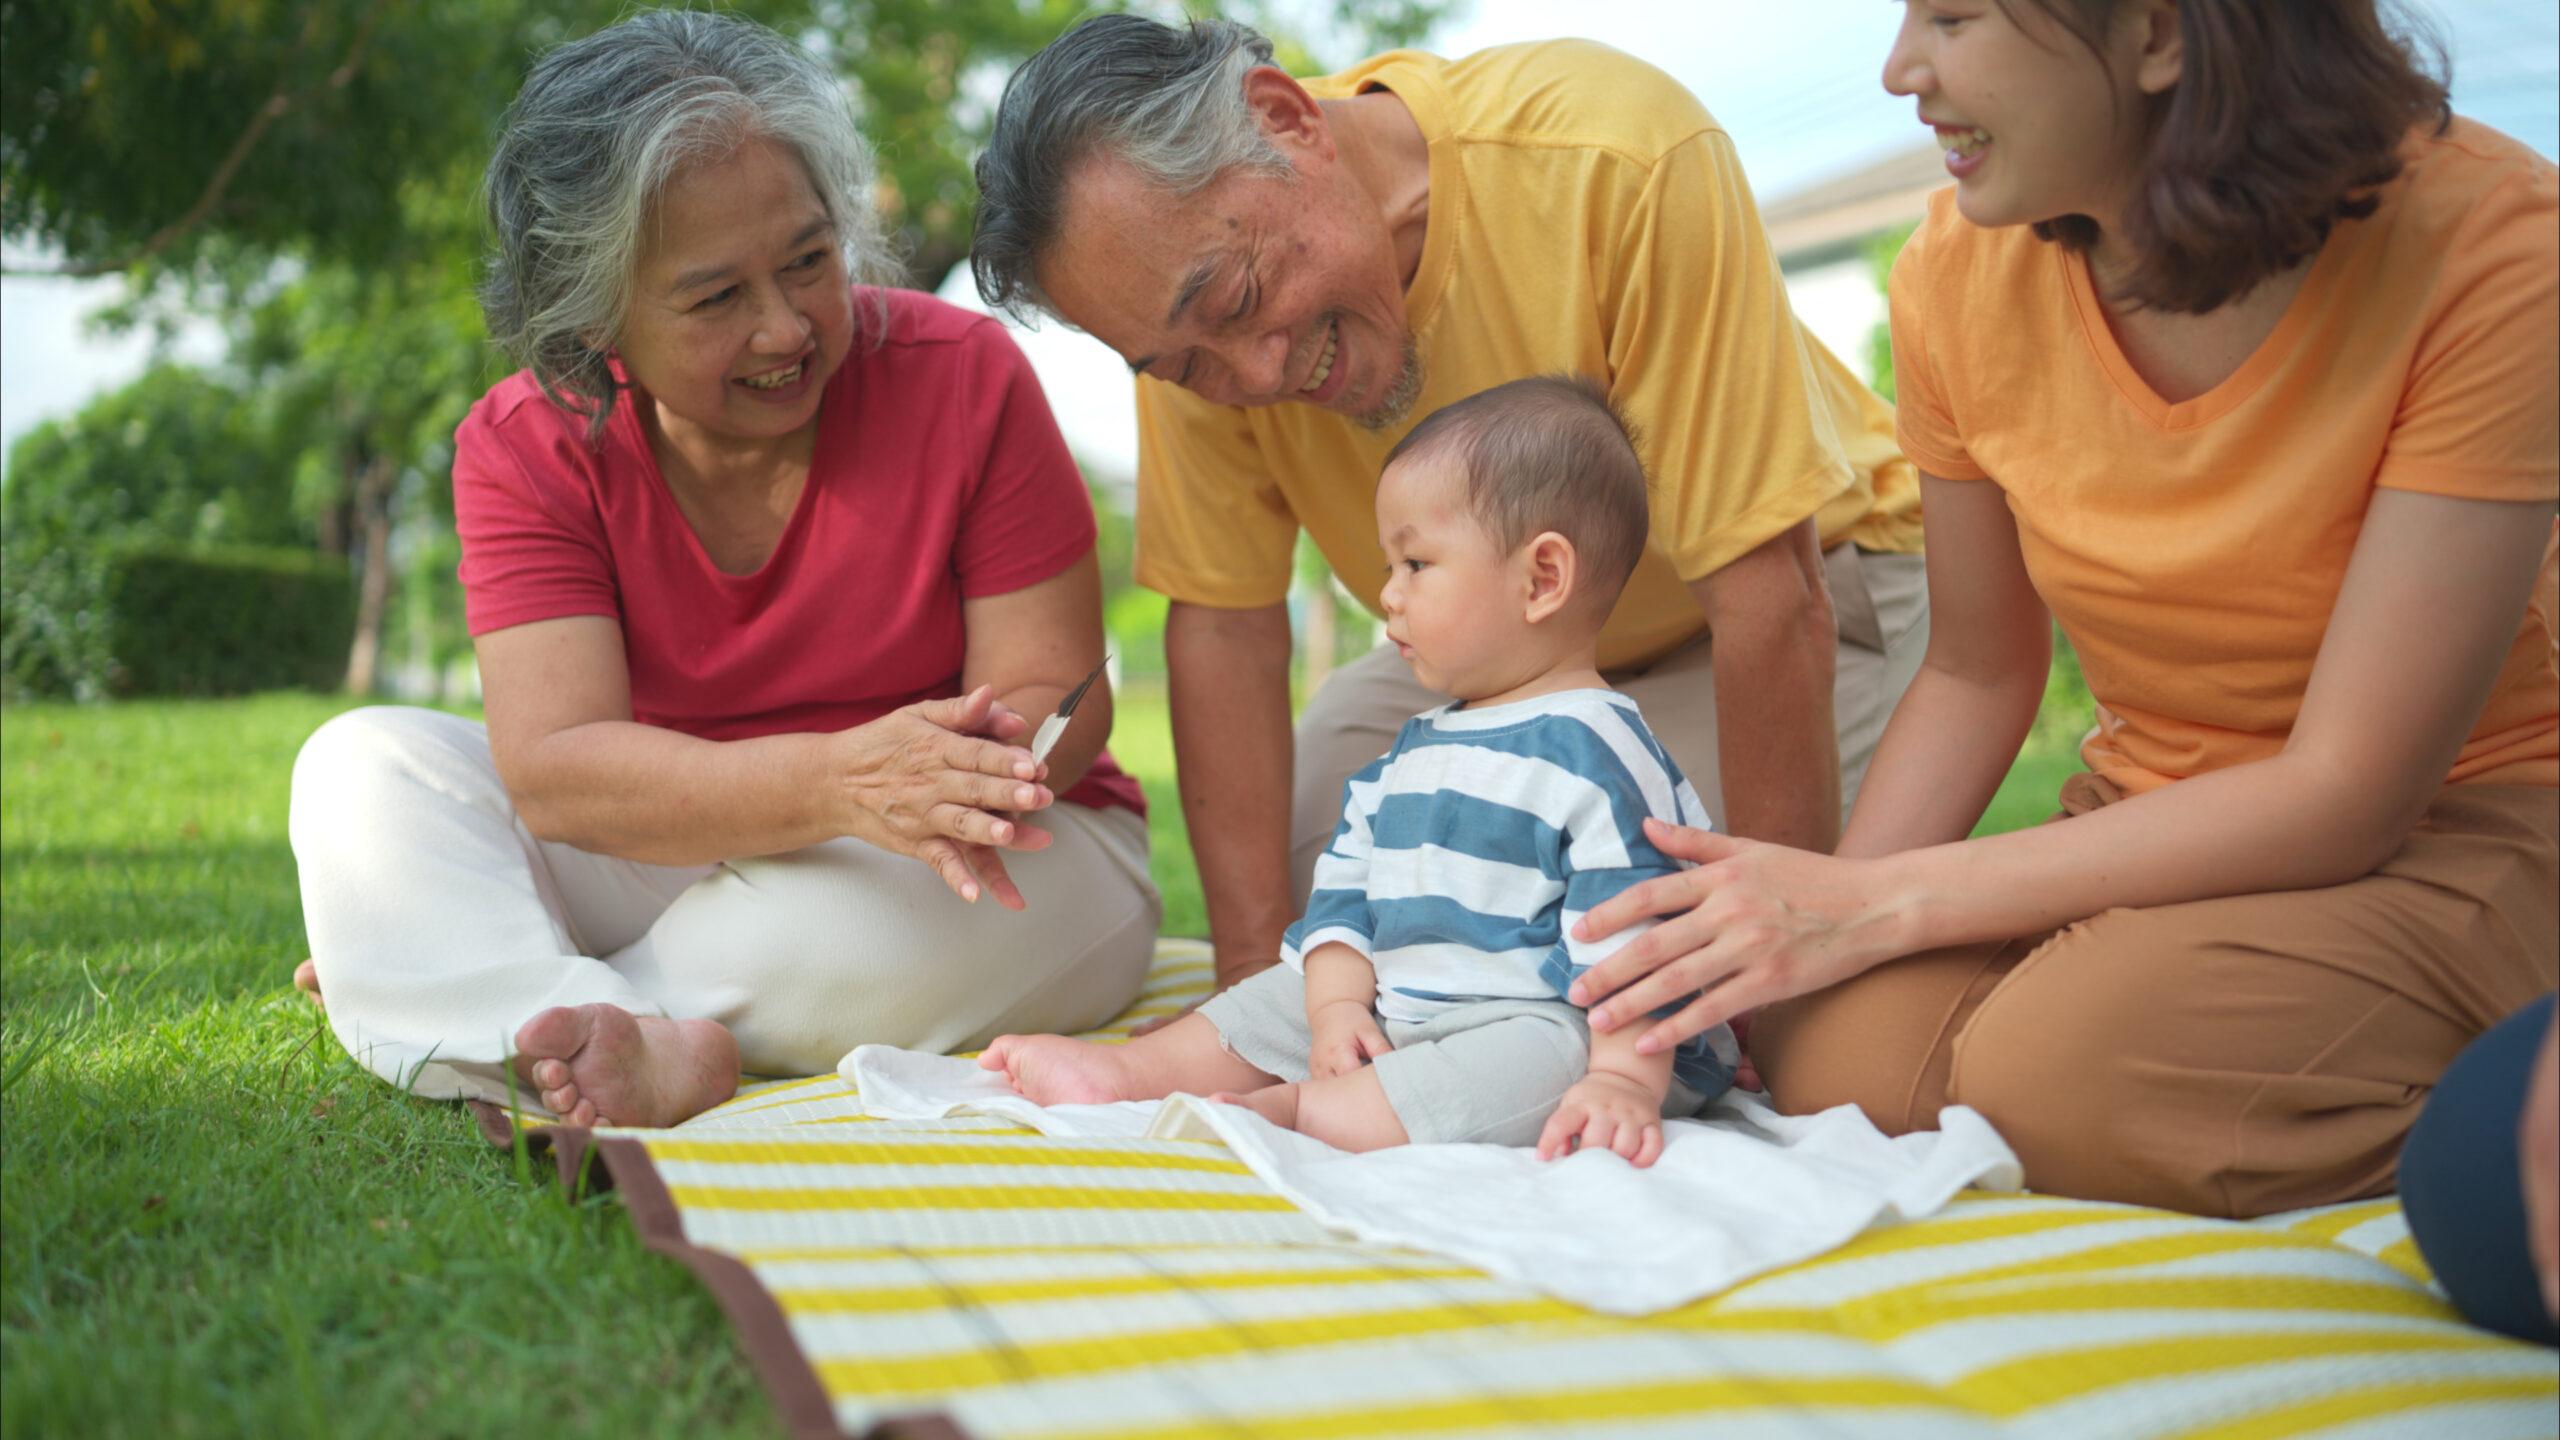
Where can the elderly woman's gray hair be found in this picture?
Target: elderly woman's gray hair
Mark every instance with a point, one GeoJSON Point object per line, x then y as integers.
{"type": "Point", "coordinates": [600, 127]}
{"type": "Point", "coordinates": [1166, 100]}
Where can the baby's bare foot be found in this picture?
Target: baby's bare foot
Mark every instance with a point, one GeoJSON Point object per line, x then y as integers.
{"type": "Point", "coordinates": [1275, 1103]}
{"type": "Point", "coordinates": [1055, 1070]}
{"type": "Point", "coordinates": [306, 978]}
{"type": "Point", "coordinates": [603, 1065]}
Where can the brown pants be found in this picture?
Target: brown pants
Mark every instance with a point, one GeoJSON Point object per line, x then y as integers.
{"type": "Point", "coordinates": [2226, 1057]}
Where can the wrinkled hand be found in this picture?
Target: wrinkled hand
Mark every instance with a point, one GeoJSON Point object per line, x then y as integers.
{"type": "Point", "coordinates": [935, 781]}
{"type": "Point", "coordinates": [1752, 925]}
{"type": "Point", "coordinates": [1346, 1037]}
{"type": "Point", "coordinates": [1605, 1112]}
{"type": "Point", "coordinates": [2538, 1143]}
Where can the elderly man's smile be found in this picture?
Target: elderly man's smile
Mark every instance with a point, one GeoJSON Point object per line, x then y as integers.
{"type": "Point", "coordinates": [1319, 385]}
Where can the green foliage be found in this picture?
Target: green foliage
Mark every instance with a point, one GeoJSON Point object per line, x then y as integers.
{"type": "Point", "coordinates": [54, 636]}
{"type": "Point", "coordinates": [1882, 250]}
{"type": "Point", "coordinates": [286, 128]}
{"type": "Point", "coordinates": [307, 174]}
{"type": "Point", "coordinates": [169, 132]}
{"type": "Point", "coordinates": [2068, 710]}
{"type": "Point", "coordinates": [179, 454]}
{"type": "Point", "coordinates": [150, 617]}
{"type": "Point", "coordinates": [188, 621]}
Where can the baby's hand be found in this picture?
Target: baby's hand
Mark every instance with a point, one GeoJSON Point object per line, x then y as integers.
{"type": "Point", "coordinates": [1346, 1037]}
{"type": "Point", "coordinates": [1606, 1112]}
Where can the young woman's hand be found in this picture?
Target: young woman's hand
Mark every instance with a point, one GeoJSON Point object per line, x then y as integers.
{"type": "Point", "coordinates": [936, 781]}
{"type": "Point", "coordinates": [1753, 924]}
{"type": "Point", "coordinates": [1605, 1111]}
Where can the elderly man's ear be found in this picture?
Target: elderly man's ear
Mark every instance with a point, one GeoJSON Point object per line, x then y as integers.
{"type": "Point", "coordinates": [1289, 115]}
{"type": "Point", "coordinates": [1548, 572]}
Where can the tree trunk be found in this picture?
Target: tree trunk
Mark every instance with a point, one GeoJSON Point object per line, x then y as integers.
{"type": "Point", "coordinates": [373, 581]}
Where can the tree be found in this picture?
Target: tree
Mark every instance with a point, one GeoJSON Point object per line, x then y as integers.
{"type": "Point", "coordinates": [179, 454]}
{"type": "Point", "coordinates": [308, 172]}
{"type": "Point", "coordinates": [131, 135]}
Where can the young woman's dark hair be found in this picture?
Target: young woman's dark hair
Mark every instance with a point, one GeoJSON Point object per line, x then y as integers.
{"type": "Point", "coordinates": [2287, 116]}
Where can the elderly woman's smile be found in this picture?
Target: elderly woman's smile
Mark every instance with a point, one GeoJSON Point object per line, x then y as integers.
{"type": "Point", "coordinates": [743, 309]}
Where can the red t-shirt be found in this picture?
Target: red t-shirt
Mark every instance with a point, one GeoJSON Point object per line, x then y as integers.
{"type": "Point", "coordinates": [938, 476]}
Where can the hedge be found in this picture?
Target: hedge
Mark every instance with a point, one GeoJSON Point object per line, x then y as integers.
{"type": "Point", "coordinates": [158, 618]}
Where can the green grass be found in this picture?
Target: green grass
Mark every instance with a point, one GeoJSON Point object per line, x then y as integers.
{"type": "Point", "coordinates": [212, 1223]}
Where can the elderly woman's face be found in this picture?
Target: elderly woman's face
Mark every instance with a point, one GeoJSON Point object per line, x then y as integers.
{"type": "Point", "coordinates": [740, 307]}
{"type": "Point", "coordinates": [1252, 291]}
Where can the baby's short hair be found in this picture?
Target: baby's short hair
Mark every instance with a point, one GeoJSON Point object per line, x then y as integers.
{"type": "Point", "coordinates": [1547, 453]}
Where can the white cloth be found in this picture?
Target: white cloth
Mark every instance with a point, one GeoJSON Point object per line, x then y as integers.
{"type": "Point", "coordinates": [1738, 1193]}
{"type": "Point", "coordinates": [440, 924]}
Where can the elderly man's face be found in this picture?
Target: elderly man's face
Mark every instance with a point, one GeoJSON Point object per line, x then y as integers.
{"type": "Point", "coordinates": [1258, 289]}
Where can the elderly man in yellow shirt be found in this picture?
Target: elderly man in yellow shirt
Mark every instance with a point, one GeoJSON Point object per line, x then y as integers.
{"type": "Point", "coordinates": [1298, 270]}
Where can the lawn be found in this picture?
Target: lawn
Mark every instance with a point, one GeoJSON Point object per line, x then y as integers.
{"type": "Point", "coordinates": [212, 1223]}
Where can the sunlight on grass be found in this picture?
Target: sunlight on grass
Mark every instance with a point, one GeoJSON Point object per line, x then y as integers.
{"type": "Point", "coordinates": [211, 1223]}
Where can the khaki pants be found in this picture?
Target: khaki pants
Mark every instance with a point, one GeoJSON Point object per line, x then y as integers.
{"type": "Point", "coordinates": [1879, 602]}
{"type": "Point", "coordinates": [2235, 1056]}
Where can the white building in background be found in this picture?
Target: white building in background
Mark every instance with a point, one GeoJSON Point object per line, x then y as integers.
{"type": "Point", "coordinates": [1822, 233]}
{"type": "Point", "coordinates": [1826, 197]}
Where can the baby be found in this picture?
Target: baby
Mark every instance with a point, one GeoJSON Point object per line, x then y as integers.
{"type": "Point", "coordinates": [1420, 998]}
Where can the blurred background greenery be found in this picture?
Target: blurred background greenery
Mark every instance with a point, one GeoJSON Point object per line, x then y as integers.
{"type": "Point", "coordinates": [304, 176]}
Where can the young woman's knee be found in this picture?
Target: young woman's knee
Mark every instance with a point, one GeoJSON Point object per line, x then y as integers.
{"type": "Point", "coordinates": [2135, 1059]}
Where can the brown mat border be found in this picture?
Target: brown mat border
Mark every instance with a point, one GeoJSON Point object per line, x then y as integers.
{"type": "Point", "coordinates": [789, 1380]}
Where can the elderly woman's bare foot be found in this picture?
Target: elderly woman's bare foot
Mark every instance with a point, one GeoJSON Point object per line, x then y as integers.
{"type": "Point", "coordinates": [1054, 1070]}
{"type": "Point", "coordinates": [306, 978]}
{"type": "Point", "coordinates": [603, 1065]}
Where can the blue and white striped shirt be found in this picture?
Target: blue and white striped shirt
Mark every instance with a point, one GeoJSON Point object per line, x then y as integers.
{"type": "Point", "coordinates": [1467, 852]}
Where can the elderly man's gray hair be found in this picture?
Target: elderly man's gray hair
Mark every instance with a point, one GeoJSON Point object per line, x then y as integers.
{"type": "Point", "coordinates": [600, 127]}
{"type": "Point", "coordinates": [1166, 100]}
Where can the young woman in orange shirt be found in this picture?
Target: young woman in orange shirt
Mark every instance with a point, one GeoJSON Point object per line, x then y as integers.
{"type": "Point", "coordinates": [2233, 351]}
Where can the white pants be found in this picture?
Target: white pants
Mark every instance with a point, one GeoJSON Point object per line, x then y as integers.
{"type": "Point", "coordinates": [440, 925]}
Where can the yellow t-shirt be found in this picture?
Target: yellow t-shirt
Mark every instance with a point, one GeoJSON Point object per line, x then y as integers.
{"type": "Point", "coordinates": [2194, 552]}
{"type": "Point", "coordinates": [1587, 215]}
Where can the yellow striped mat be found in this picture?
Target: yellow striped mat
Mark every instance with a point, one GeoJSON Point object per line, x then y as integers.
{"type": "Point", "coordinates": [967, 1277]}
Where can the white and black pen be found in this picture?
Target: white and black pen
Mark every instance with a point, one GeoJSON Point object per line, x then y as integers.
{"type": "Point", "coordinates": [1046, 737]}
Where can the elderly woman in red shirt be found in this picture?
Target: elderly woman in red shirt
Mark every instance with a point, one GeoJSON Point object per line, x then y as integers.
{"type": "Point", "coordinates": [766, 568]}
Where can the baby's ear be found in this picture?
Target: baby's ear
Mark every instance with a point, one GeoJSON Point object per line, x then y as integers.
{"type": "Point", "coordinates": [1551, 571]}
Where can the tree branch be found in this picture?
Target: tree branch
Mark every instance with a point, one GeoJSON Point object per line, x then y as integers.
{"type": "Point", "coordinates": [272, 110]}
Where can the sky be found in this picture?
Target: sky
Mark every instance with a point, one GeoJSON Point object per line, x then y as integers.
{"type": "Point", "coordinates": [1795, 84]}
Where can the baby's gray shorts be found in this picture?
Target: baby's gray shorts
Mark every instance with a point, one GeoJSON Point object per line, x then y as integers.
{"type": "Point", "coordinates": [1491, 1071]}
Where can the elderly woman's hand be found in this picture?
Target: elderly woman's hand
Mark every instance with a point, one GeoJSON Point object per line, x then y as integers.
{"type": "Point", "coordinates": [934, 780]}
{"type": "Point", "coordinates": [1753, 924]}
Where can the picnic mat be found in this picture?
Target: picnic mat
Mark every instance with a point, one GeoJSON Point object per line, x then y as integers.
{"type": "Point", "coordinates": [965, 1276]}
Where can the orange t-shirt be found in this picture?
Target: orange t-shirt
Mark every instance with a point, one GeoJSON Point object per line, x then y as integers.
{"type": "Point", "coordinates": [2193, 552]}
